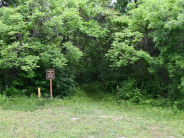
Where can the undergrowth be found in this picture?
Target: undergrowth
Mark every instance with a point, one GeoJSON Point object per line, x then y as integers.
{"type": "Point", "coordinates": [88, 94]}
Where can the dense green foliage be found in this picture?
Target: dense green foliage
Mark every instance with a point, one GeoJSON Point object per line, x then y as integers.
{"type": "Point", "coordinates": [37, 35]}
{"type": "Point", "coordinates": [150, 45]}
{"type": "Point", "coordinates": [135, 49]}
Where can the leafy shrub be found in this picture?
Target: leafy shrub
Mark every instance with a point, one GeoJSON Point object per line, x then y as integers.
{"type": "Point", "coordinates": [13, 91]}
{"type": "Point", "coordinates": [129, 91]}
{"type": "Point", "coordinates": [177, 104]}
{"type": "Point", "coordinates": [2, 98]}
{"type": "Point", "coordinates": [64, 84]}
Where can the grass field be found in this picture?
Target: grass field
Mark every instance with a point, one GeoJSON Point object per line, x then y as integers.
{"type": "Point", "coordinates": [86, 115]}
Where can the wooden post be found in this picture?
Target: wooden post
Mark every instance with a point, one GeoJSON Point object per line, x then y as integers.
{"type": "Point", "coordinates": [39, 93]}
{"type": "Point", "coordinates": [51, 89]}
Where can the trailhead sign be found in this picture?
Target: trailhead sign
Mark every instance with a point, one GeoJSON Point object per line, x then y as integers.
{"type": "Point", "coordinates": [50, 74]}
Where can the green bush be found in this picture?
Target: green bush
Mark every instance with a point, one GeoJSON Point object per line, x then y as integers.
{"type": "Point", "coordinates": [2, 98]}
{"type": "Point", "coordinates": [129, 91]}
{"type": "Point", "coordinates": [176, 105]}
{"type": "Point", "coordinates": [64, 84]}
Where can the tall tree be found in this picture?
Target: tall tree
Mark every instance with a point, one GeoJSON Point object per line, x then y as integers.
{"type": "Point", "coordinates": [45, 34]}
{"type": "Point", "coordinates": [151, 43]}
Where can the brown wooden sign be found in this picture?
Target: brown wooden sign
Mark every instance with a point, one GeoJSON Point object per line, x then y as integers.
{"type": "Point", "coordinates": [50, 74]}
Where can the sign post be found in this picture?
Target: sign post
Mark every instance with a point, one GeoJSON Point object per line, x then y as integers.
{"type": "Point", "coordinates": [50, 75]}
{"type": "Point", "coordinates": [50, 88]}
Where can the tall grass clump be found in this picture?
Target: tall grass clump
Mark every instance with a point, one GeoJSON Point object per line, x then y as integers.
{"type": "Point", "coordinates": [25, 103]}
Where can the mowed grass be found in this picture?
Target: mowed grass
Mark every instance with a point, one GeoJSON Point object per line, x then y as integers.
{"type": "Point", "coordinates": [87, 115]}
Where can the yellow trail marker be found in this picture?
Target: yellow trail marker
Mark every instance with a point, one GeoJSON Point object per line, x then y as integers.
{"type": "Point", "coordinates": [117, 88]}
{"type": "Point", "coordinates": [39, 93]}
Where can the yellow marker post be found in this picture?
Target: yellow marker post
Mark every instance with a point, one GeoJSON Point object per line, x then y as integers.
{"type": "Point", "coordinates": [39, 93]}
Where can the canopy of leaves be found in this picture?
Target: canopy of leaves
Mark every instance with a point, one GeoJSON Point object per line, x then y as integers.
{"type": "Point", "coordinates": [37, 35]}
{"type": "Point", "coordinates": [137, 45]}
{"type": "Point", "coordinates": [152, 30]}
